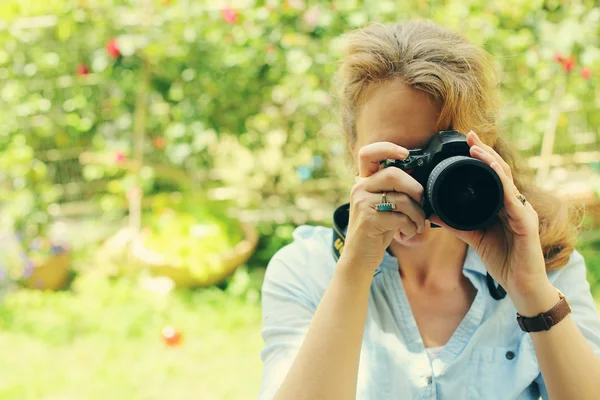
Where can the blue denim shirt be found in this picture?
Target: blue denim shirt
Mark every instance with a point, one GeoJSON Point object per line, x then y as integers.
{"type": "Point", "coordinates": [487, 357]}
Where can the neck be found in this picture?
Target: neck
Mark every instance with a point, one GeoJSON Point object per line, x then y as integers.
{"type": "Point", "coordinates": [437, 260]}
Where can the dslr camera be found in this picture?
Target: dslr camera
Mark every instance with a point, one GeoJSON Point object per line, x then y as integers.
{"type": "Point", "coordinates": [462, 191]}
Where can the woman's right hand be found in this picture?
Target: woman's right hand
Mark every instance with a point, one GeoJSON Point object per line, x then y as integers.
{"type": "Point", "coordinates": [370, 232]}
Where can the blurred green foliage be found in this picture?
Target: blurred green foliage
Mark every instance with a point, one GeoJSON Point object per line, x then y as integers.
{"type": "Point", "coordinates": [243, 97]}
{"type": "Point", "coordinates": [237, 96]}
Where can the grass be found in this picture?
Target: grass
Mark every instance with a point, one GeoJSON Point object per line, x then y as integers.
{"type": "Point", "coordinates": [103, 341]}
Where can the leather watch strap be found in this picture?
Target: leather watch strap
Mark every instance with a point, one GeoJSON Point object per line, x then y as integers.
{"type": "Point", "coordinates": [545, 320]}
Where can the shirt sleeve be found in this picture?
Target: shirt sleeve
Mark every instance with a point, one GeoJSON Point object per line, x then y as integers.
{"type": "Point", "coordinates": [289, 301]}
{"type": "Point", "coordinates": [571, 281]}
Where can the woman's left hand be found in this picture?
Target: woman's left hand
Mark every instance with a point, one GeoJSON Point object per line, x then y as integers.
{"type": "Point", "coordinates": [510, 248]}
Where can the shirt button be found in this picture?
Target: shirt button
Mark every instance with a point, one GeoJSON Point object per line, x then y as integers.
{"type": "Point", "coordinates": [510, 355]}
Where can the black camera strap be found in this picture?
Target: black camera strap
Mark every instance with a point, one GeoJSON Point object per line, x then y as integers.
{"type": "Point", "coordinates": [340, 223]}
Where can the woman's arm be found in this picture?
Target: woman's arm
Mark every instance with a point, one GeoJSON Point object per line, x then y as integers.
{"type": "Point", "coordinates": [326, 366]}
{"type": "Point", "coordinates": [513, 255]}
{"type": "Point", "coordinates": [569, 366]}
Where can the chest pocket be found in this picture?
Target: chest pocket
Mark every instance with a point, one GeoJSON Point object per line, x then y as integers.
{"type": "Point", "coordinates": [503, 373]}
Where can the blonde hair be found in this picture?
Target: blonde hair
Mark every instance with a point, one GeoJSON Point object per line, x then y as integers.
{"type": "Point", "coordinates": [463, 81]}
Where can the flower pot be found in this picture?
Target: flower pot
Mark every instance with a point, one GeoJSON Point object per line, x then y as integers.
{"type": "Point", "coordinates": [224, 264]}
{"type": "Point", "coordinates": [51, 274]}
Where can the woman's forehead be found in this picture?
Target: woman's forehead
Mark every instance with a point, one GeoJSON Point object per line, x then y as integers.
{"type": "Point", "coordinates": [395, 112]}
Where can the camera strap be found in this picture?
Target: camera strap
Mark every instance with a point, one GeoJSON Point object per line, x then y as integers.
{"type": "Point", "coordinates": [341, 217]}
{"type": "Point", "coordinates": [340, 223]}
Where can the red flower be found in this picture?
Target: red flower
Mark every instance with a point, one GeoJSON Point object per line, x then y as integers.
{"type": "Point", "coordinates": [82, 69]}
{"type": "Point", "coordinates": [558, 57]}
{"type": "Point", "coordinates": [568, 64]}
{"type": "Point", "coordinates": [112, 48]}
{"type": "Point", "coordinates": [586, 73]}
{"type": "Point", "coordinates": [229, 15]}
{"type": "Point", "coordinates": [119, 157]}
{"type": "Point", "coordinates": [171, 336]}
{"type": "Point", "coordinates": [159, 142]}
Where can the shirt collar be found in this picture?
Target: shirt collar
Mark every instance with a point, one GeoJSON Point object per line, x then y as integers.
{"type": "Point", "coordinates": [474, 263]}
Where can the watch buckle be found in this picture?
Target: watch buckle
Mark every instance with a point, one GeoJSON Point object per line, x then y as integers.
{"type": "Point", "coordinates": [521, 323]}
{"type": "Point", "coordinates": [548, 321]}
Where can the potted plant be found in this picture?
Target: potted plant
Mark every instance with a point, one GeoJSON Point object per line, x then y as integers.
{"type": "Point", "coordinates": [43, 262]}
{"type": "Point", "coordinates": [47, 264]}
{"type": "Point", "coordinates": [192, 243]}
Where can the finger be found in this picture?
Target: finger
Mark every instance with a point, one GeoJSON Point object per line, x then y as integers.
{"type": "Point", "coordinates": [480, 154]}
{"type": "Point", "coordinates": [404, 205]}
{"type": "Point", "coordinates": [393, 179]}
{"type": "Point", "coordinates": [392, 221]}
{"type": "Point", "coordinates": [474, 140]}
{"type": "Point", "coordinates": [513, 206]}
{"type": "Point", "coordinates": [372, 154]}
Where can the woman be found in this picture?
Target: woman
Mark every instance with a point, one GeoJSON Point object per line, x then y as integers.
{"type": "Point", "coordinates": [419, 320]}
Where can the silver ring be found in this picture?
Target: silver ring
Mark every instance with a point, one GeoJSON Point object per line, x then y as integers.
{"type": "Point", "coordinates": [521, 198]}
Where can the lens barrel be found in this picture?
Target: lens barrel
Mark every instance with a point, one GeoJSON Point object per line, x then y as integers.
{"type": "Point", "coordinates": [465, 193]}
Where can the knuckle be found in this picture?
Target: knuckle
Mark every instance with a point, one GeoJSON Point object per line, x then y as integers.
{"type": "Point", "coordinates": [408, 227]}
{"type": "Point", "coordinates": [410, 230]}
{"type": "Point", "coordinates": [358, 187]}
{"type": "Point", "coordinates": [403, 199]}
{"type": "Point", "coordinates": [390, 175]}
{"type": "Point", "coordinates": [420, 190]}
{"type": "Point", "coordinates": [363, 153]}
{"type": "Point", "coordinates": [359, 199]}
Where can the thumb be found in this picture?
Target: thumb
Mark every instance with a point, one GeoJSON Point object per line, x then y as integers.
{"type": "Point", "coordinates": [466, 236]}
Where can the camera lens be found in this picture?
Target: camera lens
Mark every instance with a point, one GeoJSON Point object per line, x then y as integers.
{"type": "Point", "coordinates": [465, 193]}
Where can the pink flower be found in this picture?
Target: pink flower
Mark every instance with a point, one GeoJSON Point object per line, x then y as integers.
{"type": "Point", "coordinates": [568, 64]}
{"type": "Point", "coordinates": [119, 157]}
{"type": "Point", "coordinates": [311, 16]}
{"type": "Point", "coordinates": [558, 57]}
{"type": "Point", "coordinates": [112, 48]}
{"type": "Point", "coordinates": [229, 15]}
{"type": "Point", "coordinates": [82, 69]}
{"type": "Point", "coordinates": [586, 73]}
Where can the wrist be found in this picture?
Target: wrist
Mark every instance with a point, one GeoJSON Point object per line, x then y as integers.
{"type": "Point", "coordinates": [355, 257]}
{"type": "Point", "coordinates": [353, 269]}
{"type": "Point", "coordinates": [537, 301]}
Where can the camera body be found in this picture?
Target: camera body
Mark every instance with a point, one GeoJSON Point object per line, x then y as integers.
{"type": "Point", "coordinates": [462, 191]}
